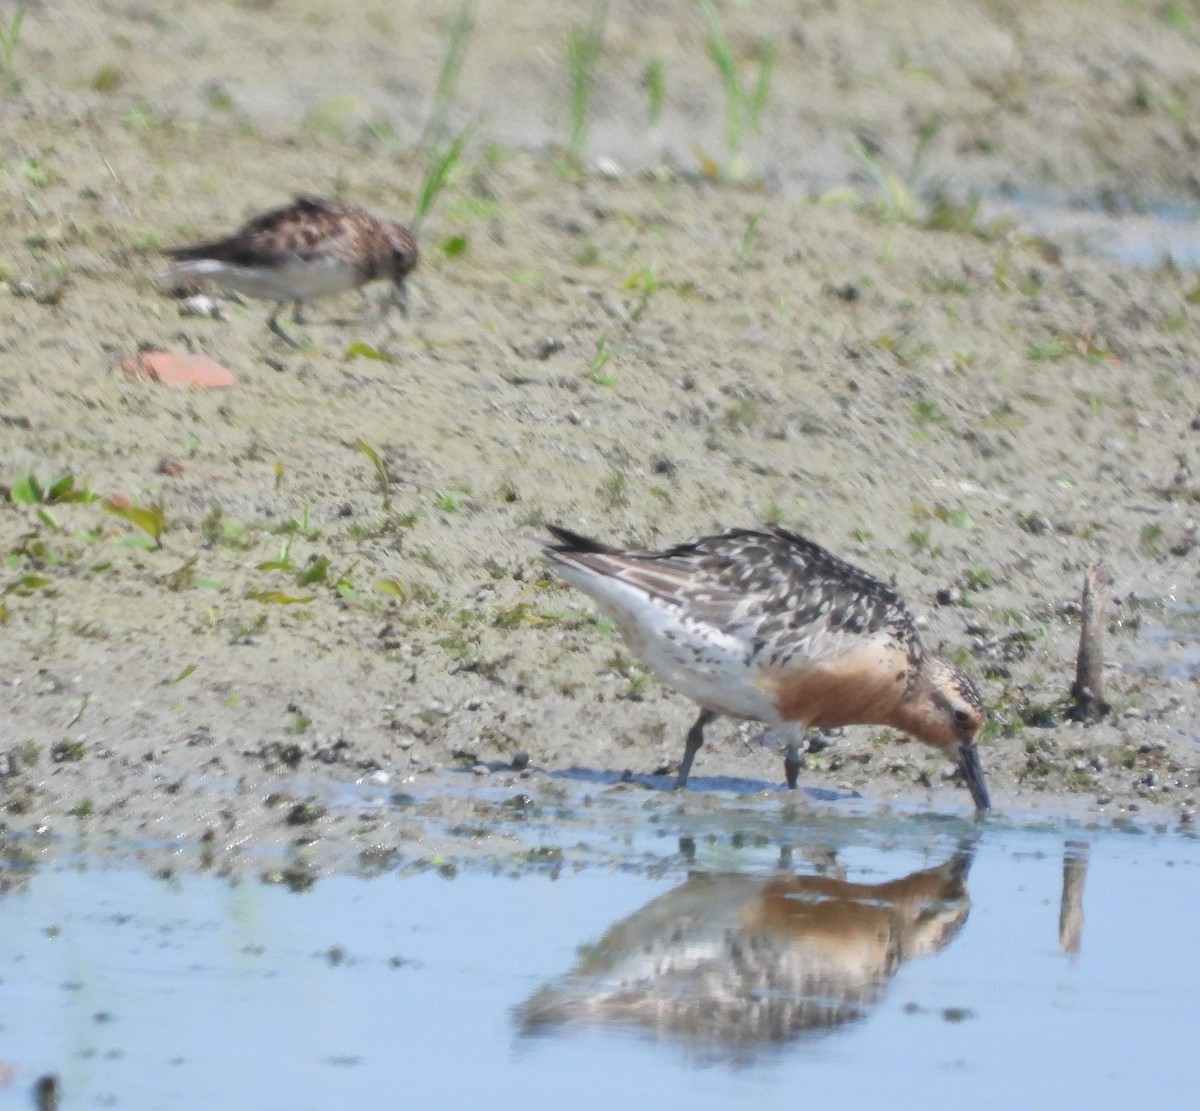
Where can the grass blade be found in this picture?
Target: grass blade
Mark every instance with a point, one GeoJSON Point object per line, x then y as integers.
{"type": "Point", "coordinates": [360, 350]}
{"type": "Point", "coordinates": [10, 39]}
{"type": "Point", "coordinates": [721, 54]}
{"type": "Point", "coordinates": [26, 491]}
{"type": "Point", "coordinates": [437, 171]}
{"type": "Point", "coordinates": [655, 82]}
{"type": "Point", "coordinates": [584, 47]}
{"type": "Point", "coordinates": [278, 598]}
{"type": "Point", "coordinates": [150, 519]}
{"type": "Point", "coordinates": [458, 39]}
{"type": "Point", "coordinates": [381, 473]}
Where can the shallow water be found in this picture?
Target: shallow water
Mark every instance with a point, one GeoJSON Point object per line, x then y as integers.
{"type": "Point", "coordinates": [1169, 642]}
{"type": "Point", "coordinates": [1166, 235]}
{"type": "Point", "coordinates": [909, 960]}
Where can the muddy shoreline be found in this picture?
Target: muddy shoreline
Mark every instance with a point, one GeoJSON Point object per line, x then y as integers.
{"type": "Point", "coordinates": [627, 347]}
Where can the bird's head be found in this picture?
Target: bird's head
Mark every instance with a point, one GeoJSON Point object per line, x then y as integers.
{"type": "Point", "coordinates": [950, 716]}
{"type": "Point", "coordinates": [404, 253]}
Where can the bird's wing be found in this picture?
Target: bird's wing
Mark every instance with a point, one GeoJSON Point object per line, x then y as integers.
{"type": "Point", "coordinates": [307, 227]}
{"type": "Point", "coordinates": [779, 590]}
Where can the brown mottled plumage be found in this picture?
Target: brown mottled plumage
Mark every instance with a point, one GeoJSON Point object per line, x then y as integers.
{"type": "Point", "coordinates": [769, 626]}
{"type": "Point", "coordinates": [309, 248]}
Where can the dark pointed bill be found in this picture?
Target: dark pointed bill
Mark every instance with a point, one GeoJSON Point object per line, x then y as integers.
{"type": "Point", "coordinates": [972, 772]}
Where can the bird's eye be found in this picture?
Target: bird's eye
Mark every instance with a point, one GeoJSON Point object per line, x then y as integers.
{"type": "Point", "coordinates": [962, 717]}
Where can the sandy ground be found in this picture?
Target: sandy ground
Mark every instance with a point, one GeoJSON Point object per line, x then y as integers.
{"type": "Point", "coordinates": [628, 347]}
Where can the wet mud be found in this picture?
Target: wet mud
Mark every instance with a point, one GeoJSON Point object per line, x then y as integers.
{"type": "Point", "coordinates": [624, 344]}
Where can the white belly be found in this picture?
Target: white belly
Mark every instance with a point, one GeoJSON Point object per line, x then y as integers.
{"type": "Point", "coordinates": [711, 667]}
{"type": "Point", "coordinates": [291, 281]}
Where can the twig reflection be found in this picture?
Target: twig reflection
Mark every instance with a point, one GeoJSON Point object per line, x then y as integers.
{"type": "Point", "coordinates": [1070, 910]}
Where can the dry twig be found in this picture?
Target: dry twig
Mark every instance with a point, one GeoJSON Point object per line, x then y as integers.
{"type": "Point", "coordinates": [1088, 688]}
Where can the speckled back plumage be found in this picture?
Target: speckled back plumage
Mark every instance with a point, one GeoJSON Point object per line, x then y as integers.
{"type": "Point", "coordinates": [787, 595]}
{"type": "Point", "coordinates": [309, 229]}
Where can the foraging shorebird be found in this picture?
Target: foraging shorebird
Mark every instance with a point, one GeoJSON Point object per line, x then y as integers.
{"type": "Point", "coordinates": [309, 248]}
{"type": "Point", "coordinates": [767, 625]}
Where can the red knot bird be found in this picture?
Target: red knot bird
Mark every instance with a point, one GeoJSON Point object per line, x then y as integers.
{"type": "Point", "coordinates": [769, 626]}
{"type": "Point", "coordinates": [309, 248]}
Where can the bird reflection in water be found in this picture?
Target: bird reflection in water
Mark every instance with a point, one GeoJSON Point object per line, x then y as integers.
{"type": "Point", "coordinates": [737, 961]}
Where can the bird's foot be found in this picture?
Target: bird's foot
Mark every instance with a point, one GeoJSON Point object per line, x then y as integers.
{"type": "Point", "coordinates": [277, 328]}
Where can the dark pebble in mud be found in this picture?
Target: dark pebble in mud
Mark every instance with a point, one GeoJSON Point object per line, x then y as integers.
{"type": "Point", "coordinates": [957, 1014]}
{"type": "Point", "coordinates": [305, 813]}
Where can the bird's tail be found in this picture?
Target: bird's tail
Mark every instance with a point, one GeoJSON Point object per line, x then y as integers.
{"type": "Point", "coordinates": [188, 271]}
{"type": "Point", "coordinates": [196, 250]}
{"type": "Point", "coordinates": [572, 543]}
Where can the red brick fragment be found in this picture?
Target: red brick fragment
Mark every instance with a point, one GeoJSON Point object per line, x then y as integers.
{"type": "Point", "coordinates": [178, 371]}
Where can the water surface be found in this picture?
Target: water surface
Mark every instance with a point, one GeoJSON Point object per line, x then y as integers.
{"type": "Point", "coordinates": [900, 961]}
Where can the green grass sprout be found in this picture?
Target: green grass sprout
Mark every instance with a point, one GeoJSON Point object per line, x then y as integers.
{"type": "Point", "coordinates": [438, 169]}
{"type": "Point", "coordinates": [744, 104]}
{"type": "Point", "coordinates": [10, 40]}
{"type": "Point", "coordinates": [459, 31]}
{"type": "Point", "coordinates": [381, 473]}
{"type": "Point", "coordinates": [149, 518]}
{"type": "Point", "coordinates": [584, 47]}
{"type": "Point", "coordinates": [655, 83]}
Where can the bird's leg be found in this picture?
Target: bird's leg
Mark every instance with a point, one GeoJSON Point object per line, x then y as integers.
{"type": "Point", "coordinates": [296, 316]}
{"type": "Point", "coordinates": [791, 758]}
{"type": "Point", "coordinates": [695, 739]}
{"type": "Point", "coordinates": [400, 298]}
{"type": "Point", "coordinates": [273, 324]}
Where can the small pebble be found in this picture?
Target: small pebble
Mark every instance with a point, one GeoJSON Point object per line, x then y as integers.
{"type": "Point", "coordinates": [202, 306]}
{"type": "Point", "coordinates": [608, 168]}
{"type": "Point", "coordinates": [957, 1014]}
